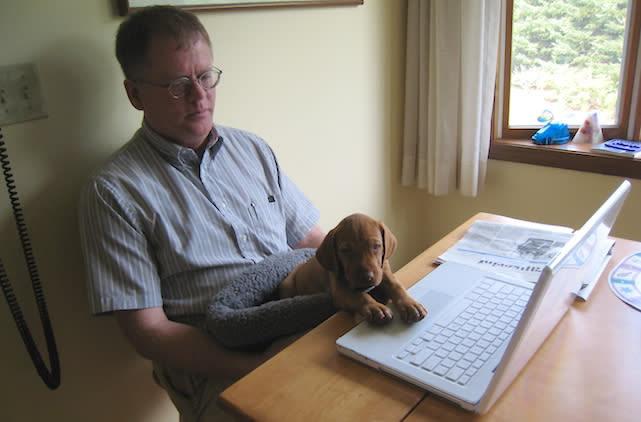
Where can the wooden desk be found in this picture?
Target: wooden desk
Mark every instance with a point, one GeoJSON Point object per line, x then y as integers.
{"type": "Point", "coordinates": [589, 369]}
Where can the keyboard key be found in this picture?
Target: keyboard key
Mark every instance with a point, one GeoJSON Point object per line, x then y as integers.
{"type": "Point", "coordinates": [449, 346]}
{"type": "Point", "coordinates": [497, 313]}
{"type": "Point", "coordinates": [448, 363]}
{"type": "Point", "coordinates": [480, 330]}
{"type": "Point", "coordinates": [474, 336]}
{"type": "Point", "coordinates": [464, 379]}
{"type": "Point", "coordinates": [496, 287]}
{"type": "Point", "coordinates": [431, 363]}
{"type": "Point", "coordinates": [483, 344]}
{"type": "Point", "coordinates": [462, 349]}
{"type": "Point", "coordinates": [440, 339]}
{"type": "Point", "coordinates": [467, 315]}
{"type": "Point", "coordinates": [441, 353]}
{"type": "Point", "coordinates": [477, 350]}
{"type": "Point", "coordinates": [441, 370]}
{"type": "Point", "coordinates": [463, 364]}
{"type": "Point", "coordinates": [434, 330]}
{"type": "Point", "coordinates": [507, 289]}
{"type": "Point", "coordinates": [454, 373]}
{"type": "Point", "coordinates": [447, 332]}
{"type": "Point", "coordinates": [475, 322]}
{"type": "Point", "coordinates": [456, 339]}
{"type": "Point", "coordinates": [412, 349]}
{"type": "Point", "coordinates": [432, 345]}
{"type": "Point", "coordinates": [471, 357]}
{"type": "Point", "coordinates": [455, 356]}
{"type": "Point", "coordinates": [402, 354]}
{"type": "Point", "coordinates": [471, 371]}
{"type": "Point", "coordinates": [420, 357]}
{"type": "Point", "coordinates": [494, 331]}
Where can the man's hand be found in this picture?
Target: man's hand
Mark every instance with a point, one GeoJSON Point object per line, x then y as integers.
{"type": "Point", "coordinates": [313, 239]}
{"type": "Point", "coordinates": [178, 345]}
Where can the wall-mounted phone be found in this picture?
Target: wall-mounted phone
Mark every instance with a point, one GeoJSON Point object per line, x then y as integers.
{"type": "Point", "coordinates": [21, 100]}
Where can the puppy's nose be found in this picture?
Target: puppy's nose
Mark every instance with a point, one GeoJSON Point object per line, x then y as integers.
{"type": "Point", "coordinates": [367, 277]}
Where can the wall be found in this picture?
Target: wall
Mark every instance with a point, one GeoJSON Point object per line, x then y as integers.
{"type": "Point", "coordinates": [543, 194]}
{"type": "Point", "coordinates": [322, 85]}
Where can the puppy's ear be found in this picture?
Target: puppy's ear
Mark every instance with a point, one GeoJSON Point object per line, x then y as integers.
{"type": "Point", "coordinates": [326, 252]}
{"type": "Point", "coordinates": [389, 241]}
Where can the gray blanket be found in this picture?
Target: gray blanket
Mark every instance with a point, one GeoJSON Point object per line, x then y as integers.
{"type": "Point", "coordinates": [245, 313]}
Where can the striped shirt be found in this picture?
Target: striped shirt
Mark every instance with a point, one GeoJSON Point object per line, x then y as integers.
{"type": "Point", "coordinates": [161, 227]}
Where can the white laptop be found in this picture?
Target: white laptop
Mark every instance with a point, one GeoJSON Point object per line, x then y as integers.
{"type": "Point", "coordinates": [482, 328]}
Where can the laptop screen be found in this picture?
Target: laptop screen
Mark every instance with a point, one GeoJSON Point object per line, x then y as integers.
{"type": "Point", "coordinates": [555, 291]}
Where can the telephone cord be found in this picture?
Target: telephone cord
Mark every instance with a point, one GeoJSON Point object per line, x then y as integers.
{"type": "Point", "coordinates": [50, 377]}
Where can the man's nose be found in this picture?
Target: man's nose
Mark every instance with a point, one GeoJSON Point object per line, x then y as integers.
{"type": "Point", "coordinates": [196, 91]}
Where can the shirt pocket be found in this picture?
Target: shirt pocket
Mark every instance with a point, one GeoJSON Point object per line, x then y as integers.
{"type": "Point", "coordinates": [264, 211]}
{"type": "Point", "coordinates": [267, 219]}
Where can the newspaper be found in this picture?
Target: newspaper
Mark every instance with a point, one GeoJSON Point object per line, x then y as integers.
{"type": "Point", "coordinates": [520, 250]}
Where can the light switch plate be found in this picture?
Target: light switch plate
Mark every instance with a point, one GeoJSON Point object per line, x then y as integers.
{"type": "Point", "coordinates": [20, 94]}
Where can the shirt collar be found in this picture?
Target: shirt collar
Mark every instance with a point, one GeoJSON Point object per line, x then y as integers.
{"type": "Point", "coordinates": [177, 155]}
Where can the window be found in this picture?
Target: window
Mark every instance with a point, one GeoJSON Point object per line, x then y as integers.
{"type": "Point", "coordinates": [562, 60]}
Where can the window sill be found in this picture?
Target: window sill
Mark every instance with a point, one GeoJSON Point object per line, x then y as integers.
{"type": "Point", "coordinates": [568, 156]}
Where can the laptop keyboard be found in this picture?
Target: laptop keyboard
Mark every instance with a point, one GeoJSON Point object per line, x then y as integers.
{"type": "Point", "coordinates": [465, 337]}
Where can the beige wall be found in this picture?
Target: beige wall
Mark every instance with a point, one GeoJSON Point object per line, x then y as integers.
{"type": "Point", "coordinates": [322, 85]}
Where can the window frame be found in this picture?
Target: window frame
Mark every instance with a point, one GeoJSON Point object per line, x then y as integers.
{"type": "Point", "coordinates": [514, 144]}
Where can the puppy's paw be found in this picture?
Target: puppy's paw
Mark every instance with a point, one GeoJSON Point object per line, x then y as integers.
{"type": "Point", "coordinates": [377, 313]}
{"type": "Point", "coordinates": [411, 310]}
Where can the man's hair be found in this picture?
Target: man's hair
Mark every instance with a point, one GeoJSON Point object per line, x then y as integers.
{"type": "Point", "coordinates": [136, 33]}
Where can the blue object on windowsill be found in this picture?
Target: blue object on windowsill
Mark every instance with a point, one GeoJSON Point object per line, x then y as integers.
{"type": "Point", "coordinates": [552, 134]}
{"type": "Point", "coordinates": [545, 116]}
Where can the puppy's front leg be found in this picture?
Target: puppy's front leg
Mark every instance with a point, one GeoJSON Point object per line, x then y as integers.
{"type": "Point", "coordinates": [410, 309]}
{"type": "Point", "coordinates": [358, 302]}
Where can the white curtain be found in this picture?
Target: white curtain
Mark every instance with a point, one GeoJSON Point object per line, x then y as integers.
{"type": "Point", "coordinates": [452, 48]}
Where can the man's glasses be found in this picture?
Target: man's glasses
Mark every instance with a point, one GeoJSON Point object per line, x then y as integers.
{"type": "Point", "coordinates": [181, 87]}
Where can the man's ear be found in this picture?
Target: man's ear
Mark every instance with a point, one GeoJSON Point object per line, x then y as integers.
{"type": "Point", "coordinates": [133, 94]}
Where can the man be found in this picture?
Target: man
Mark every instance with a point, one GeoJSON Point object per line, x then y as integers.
{"type": "Point", "coordinates": [182, 209]}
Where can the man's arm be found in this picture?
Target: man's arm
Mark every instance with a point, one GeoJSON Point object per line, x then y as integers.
{"type": "Point", "coordinates": [178, 345]}
{"type": "Point", "coordinates": [313, 239]}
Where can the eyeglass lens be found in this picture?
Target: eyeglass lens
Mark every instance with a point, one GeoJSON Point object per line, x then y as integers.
{"type": "Point", "coordinates": [182, 86]}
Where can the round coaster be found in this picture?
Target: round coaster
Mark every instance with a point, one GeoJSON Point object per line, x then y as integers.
{"type": "Point", "coordinates": [625, 280]}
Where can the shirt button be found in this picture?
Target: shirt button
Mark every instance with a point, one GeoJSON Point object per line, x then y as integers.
{"type": "Point", "coordinates": [186, 157]}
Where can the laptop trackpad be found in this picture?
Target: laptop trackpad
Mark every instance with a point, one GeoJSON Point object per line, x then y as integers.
{"type": "Point", "coordinates": [435, 302]}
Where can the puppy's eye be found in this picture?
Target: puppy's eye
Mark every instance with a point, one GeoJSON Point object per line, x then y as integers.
{"type": "Point", "coordinates": [377, 246]}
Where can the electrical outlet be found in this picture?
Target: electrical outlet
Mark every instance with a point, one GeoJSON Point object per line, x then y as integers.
{"type": "Point", "coordinates": [20, 94]}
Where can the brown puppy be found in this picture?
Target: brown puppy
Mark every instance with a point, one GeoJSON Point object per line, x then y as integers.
{"type": "Point", "coordinates": [352, 261]}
